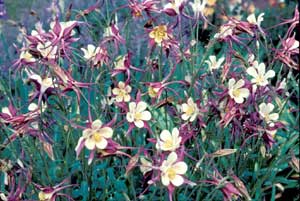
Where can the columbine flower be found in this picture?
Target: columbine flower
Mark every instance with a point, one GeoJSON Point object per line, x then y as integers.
{"type": "Point", "coordinates": [96, 136]}
{"type": "Point", "coordinates": [45, 196]}
{"type": "Point", "coordinates": [27, 57]}
{"type": "Point", "coordinates": [198, 7]}
{"type": "Point", "coordinates": [265, 112]}
{"type": "Point", "coordinates": [44, 83]}
{"type": "Point", "coordinates": [291, 45]}
{"type": "Point", "coordinates": [190, 110]}
{"type": "Point", "coordinates": [168, 141]}
{"type": "Point", "coordinates": [159, 33]}
{"type": "Point", "coordinates": [137, 114]}
{"type": "Point", "coordinates": [172, 171]}
{"type": "Point", "coordinates": [63, 27]}
{"type": "Point", "coordinates": [122, 92]}
{"type": "Point", "coordinates": [236, 91]}
{"type": "Point", "coordinates": [146, 166]}
{"type": "Point", "coordinates": [225, 31]}
{"type": "Point", "coordinates": [213, 63]}
{"type": "Point", "coordinates": [259, 74]}
{"type": "Point", "coordinates": [252, 19]}
{"type": "Point", "coordinates": [153, 91]}
{"type": "Point", "coordinates": [47, 50]}
{"type": "Point", "coordinates": [174, 7]}
{"type": "Point", "coordinates": [90, 52]}
{"type": "Point", "coordinates": [119, 62]}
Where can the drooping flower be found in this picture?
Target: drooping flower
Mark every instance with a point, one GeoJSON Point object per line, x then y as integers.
{"type": "Point", "coordinates": [265, 112]}
{"type": "Point", "coordinates": [153, 91]}
{"type": "Point", "coordinates": [236, 90]}
{"type": "Point", "coordinates": [172, 170]}
{"type": "Point", "coordinates": [190, 110]}
{"type": "Point", "coordinates": [291, 45]}
{"type": "Point", "coordinates": [122, 92]}
{"type": "Point", "coordinates": [174, 8]}
{"type": "Point", "coordinates": [63, 26]}
{"type": "Point", "coordinates": [43, 196]}
{"type": "Point", "coordinates": [27, 57]}
{"type": "Point", "coordinates": [44, 83]}
{"type": "Point", "coordinates": [253, 20]}
{"type": "Point", "coordinates": [225, 31]}
{"type": "Point", "coordinates": [259, 74]}
{"type": "Point", "coordinates": [159, 33]}
{"type": "Point", "coordinates": [146, 166]}
{"type": "Point", "coordinates": [137, 114]}
{"type": "Point", "coordinates": [90, 52]}
{"type": "Point", "coordinates": [198, 7]}
{"type": "Point", "coordinates": [213, 63]}
{"type": "Point", "coordinates": [47, 50]}
{"type": "Point", "coordinates": [168, 141]}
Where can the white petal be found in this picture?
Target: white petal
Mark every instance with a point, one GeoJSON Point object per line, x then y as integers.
{"type": "Point", "coordinates": [185, 117]}
{"type": "Point", "coordinates": [172, 158]}
{"type": "Point", "coordinates": [263, 109]}
{"type": "Point", "coordinates": [239, 84]}
{"type": "Point", "coordinates": [261, 68]}
{"type": "Point", "coordinates": [96, 124]}
{"type": "Point", "coordinates": [239, 99]}
{"type": "Point", "coordinates": [274, 116]}
{"type": "Point", "coordinates": [184, 107]}
{"type": "Point", "coordinates": [231, 82]}
{"type": "Point", "coordinates": [102, 144]}
{"type": "Point", "coordinates": [132, 106]}
{"type": "Point", "coordinates": [252, 71]}
{"type": "Point", "coordinates": [180, 167]}
{"type": "Point", "coordinates": [177, 181]}
{"type": "Point", "coordinates": [175, 132]}
{"type": "Point", "coordinates": [146, 116]}
{"type": "Point", "coordinates": [270, 107]}
{"type": "Point", "coordinates": [130, 117]}
{"type": "Point", "coordinates": [141, 106]}
{"type": "Point", "coordinates": [165, 180]}
{"type": "Point", "coordinates": [139, 123]}
{"type": "Point", "coordinates": [165, 135]}
{"type": "Point", "coordinates": [106, 132]}
{"type": "Point", "coordinates": [244, 92]}
{"type": "Point", "coordinates": [270, 74]}
{"type": "Point", "coordinates": [116, 91]}
{"type": "Point", "coordinates": [89, 144]}
{"type": "Point", "coordinates": [121, 85]}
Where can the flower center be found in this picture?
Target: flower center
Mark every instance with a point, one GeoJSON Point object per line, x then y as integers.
{"type": "Point", "coordinates": [138, 115]}
{"type": "Point", "coordinates": [97, 136]}
{"type": "Point", "coordinates": [260, 79]}
{"type": "Point", "coordinates": [171, 173]}
{"type": "Point", "coordinates": [152, 92]}
{"type": "Point", "coordinates": [190, 110]}
{"type": "Point", "coordinates": [236, 92]}
{"type": "Point", "coordinates": [168, 143]}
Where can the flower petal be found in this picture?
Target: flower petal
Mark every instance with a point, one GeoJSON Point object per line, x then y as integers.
{"type": "Point", "coordinates": [165, 135]}
{"type": "Point", "coordinates": [96, 124]}
{"type": "Point", "coordinates": [106, 132]}
{"type": "Point", "coordinates": [178, 180]}
{"type": "Point", "coordinates": [146, 116]}
{"type": "Point", "coordinates": [141, 106]}
{"type": "Point", "coordinates": [165, 180]}
{"type": "Point", "coordinates": [89, 144]}
{"type": "Point", "coordinates": [180, 167]}
{"type": "Point", "coordinates": [102, 144]}
{"type": "Point", "coordinates": [139, 123]}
